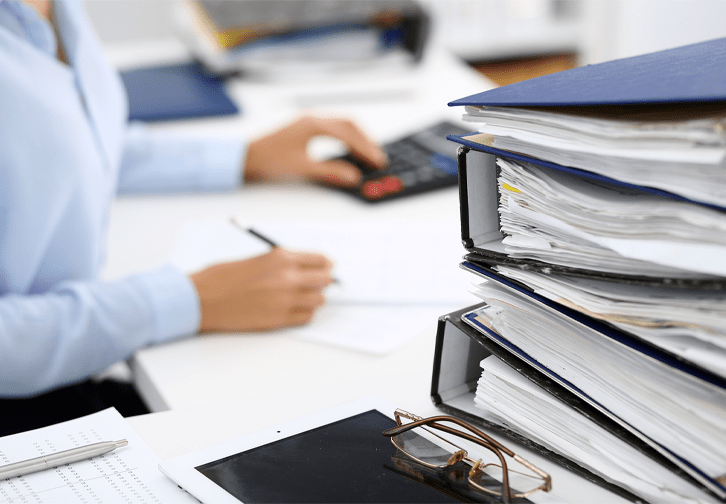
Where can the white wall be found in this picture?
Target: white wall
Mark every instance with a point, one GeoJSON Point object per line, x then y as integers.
{"type": "Point", "coordinates": [649, 25]}
{"type": "Point", "coordinates": [598, 29]}
{"type": "Point", "coordinates": [495, 29]}
{"type": "Point", "coordinates": [622, 28]}
{"type": "Point", "coordinates": [126, 20]}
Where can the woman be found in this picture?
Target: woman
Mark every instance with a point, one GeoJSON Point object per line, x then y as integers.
{"type": "Point", "coordinates": [66, 149]}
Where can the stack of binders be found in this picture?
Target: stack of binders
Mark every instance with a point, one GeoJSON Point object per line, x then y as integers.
{"type": "Point", "coordinates": [593, 211]}
{"type": "Point", "coordinates": [229, 36]}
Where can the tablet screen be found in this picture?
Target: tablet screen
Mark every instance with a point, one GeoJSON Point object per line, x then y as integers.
{"type": "Point", "coordinates": [344, 461]}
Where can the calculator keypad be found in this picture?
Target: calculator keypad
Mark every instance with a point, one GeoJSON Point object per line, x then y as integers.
{"type": "Point", "coordinates": [414, 166]}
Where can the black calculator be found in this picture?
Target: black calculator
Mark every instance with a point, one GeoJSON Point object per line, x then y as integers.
{"type": "Point", "coordinates": [420, 162]}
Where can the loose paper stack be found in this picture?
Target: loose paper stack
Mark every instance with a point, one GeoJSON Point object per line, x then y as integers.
{"type": "Point", "coordinates": [507, 397]}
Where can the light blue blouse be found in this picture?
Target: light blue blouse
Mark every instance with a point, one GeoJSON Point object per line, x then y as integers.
{"type": "Point", "coordinates": [66, 149]}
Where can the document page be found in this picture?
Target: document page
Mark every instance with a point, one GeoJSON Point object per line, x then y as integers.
{"type": "Point", "coordinates": [671, 407]}
{"type": "Point", "coordinates": [374, 262]}
{"type": "Point", "coordinates": [507, 397]}
{"type": "Point", "coordinates": [127, 474]}
{"type": "Point", "coordinates": [374, 329]}
{"type": "Point", "coordinates": [687, 322]}
{"type": "Point", "coordinates": [392, 281]}
{"type": "Point", "coordinates": [573, 221]}
{"type": "Point", "coordinates": [670, 152]}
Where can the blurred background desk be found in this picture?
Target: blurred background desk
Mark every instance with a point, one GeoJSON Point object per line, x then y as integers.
{"type": "Point", "coordinates": [388, 103]}
{"type": "Point", "coordinates": [216, 368]}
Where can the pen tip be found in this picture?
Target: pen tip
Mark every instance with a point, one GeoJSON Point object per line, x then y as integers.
{"type": "Point", "coordinates": [121, 443]}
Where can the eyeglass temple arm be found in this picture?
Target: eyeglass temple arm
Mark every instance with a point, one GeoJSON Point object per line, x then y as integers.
{"type": "Point", "coordinates": [546, 477]}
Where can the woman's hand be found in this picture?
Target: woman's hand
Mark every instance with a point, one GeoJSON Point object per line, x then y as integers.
{"type": "Point", "coordinates": [283, 155]}
{"type": "Point", "coordinates": [277, 289]}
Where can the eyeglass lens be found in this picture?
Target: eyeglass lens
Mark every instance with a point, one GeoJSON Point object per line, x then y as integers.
{"type": "Point", "coordinates": [416, 443]}
{"type": "Point", "coordinates": [490, 480]}
{"type": "Point", "coordinates": [417, 446]}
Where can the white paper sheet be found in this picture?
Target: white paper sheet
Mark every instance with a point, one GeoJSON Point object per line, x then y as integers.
{"type": "Point", "coordinates": [508, 397]}
{"type": "Point", "coordinates": [681, 155]}
{"type": "Point", "coordinates": [671, 407]}
{"type": "Point", "coordinates": [127, 474]}
{"type": "Point", "coordinates": [373, 329]}
{"type": "Point", "coordinates": [686, 322]}
{"type": "Point", "coordinates": [375, 263]}
{"type": "Point", "coordinates": [564, 219]}
{"type": "Point", "coordinates": [394, 281]}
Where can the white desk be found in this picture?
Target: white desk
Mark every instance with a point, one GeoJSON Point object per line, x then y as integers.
{"type": "Point", "coordinates": [207, 369]}
{"type": "Point", "coordinates": [223, 386]}
{"type": "Point", "coordinates": [176, 432]}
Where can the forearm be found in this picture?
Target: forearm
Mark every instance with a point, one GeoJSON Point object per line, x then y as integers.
{"type": "Point", "coordinates": [79, 328]}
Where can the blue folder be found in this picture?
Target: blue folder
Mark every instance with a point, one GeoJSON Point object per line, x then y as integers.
{"type": "Point", "coordinates": [692, 73]}
{"type": "Point", "coordinates": [175, 92]}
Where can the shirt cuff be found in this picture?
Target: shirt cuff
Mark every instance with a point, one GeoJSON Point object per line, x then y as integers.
{"type": "Point", "coordinates": [161, 161]}
{"type": "Point", "coordinates": [224, 163]}
{"type": "Point", "coordinates": [174, 302]}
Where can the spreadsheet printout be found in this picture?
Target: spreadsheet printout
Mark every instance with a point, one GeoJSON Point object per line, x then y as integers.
{"type": "Point", "coordinates": [125, 475]}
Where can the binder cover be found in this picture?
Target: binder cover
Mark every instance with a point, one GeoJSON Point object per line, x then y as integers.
{"type": "Point", "coordinates": [629, 340]}
{"type": "Point", "coordinates": [692, 73]}
{"type": "Point", "coordinates": [175, 92]}
{"type": "Point", "coordinates": [479, 217]}
{"type": "Point", "coordinates": [661, 453]}
{"type": "Point", "coordinates": [459, 349]}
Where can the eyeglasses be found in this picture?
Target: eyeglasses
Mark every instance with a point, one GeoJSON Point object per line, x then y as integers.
{"type": "Point", "coordinates": [414, 439]}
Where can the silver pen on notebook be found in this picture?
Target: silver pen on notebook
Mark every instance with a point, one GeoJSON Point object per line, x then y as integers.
{"type": "Point", "coordinates": [59, 458]}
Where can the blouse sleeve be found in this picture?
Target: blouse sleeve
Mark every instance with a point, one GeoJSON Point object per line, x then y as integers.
{"type": "Point", "coordinates": [155, 161]}
{"type": "Point", "coordinates": [77, 329]}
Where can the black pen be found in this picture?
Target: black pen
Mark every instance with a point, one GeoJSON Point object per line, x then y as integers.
{"type": "Point", "coordinates": [262, 237]}
{"type": "Point", "coordinates": [254, 233]}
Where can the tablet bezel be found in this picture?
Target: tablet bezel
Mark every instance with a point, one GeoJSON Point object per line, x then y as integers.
{"type": "Point", "coordinates": [182, 470]}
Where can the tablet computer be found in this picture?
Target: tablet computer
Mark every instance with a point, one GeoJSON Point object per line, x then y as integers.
{"type": "Point", "coordinates": [338, 455]}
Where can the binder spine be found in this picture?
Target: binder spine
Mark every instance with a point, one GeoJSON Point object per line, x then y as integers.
{"type": "Point", "coordinates": [450, 328]}
{"type": "Point", "coordinates": [440, 329]}
{"type": "Point", "coordinates": [464, 198]}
